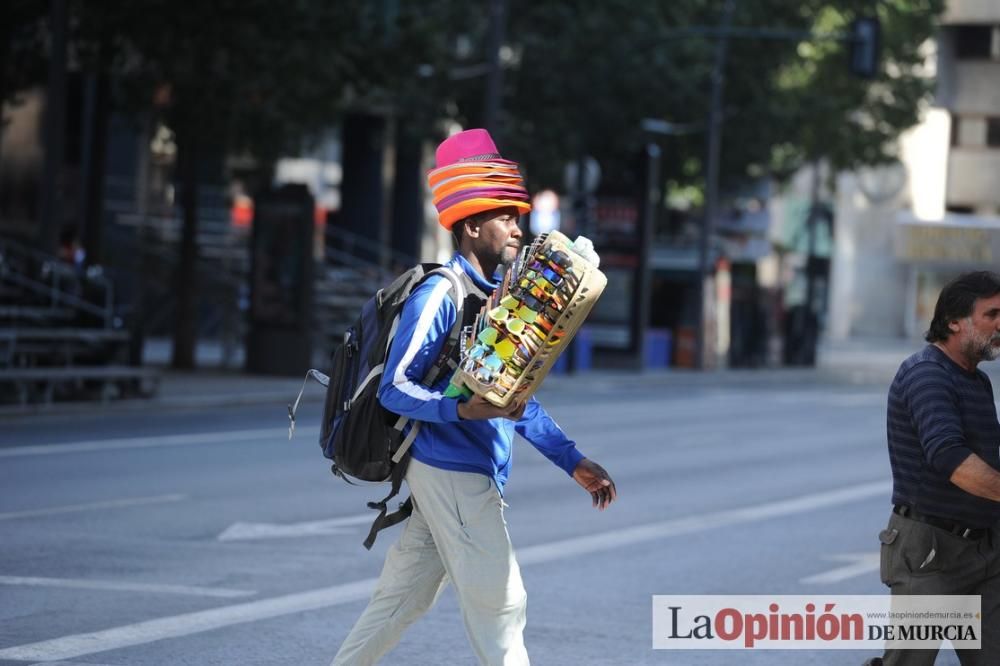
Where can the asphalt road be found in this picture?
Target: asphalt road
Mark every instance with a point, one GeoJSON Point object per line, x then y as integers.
{"type": "Point", "coordinates": [205, 537]}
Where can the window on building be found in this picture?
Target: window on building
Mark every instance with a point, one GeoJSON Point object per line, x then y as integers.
{"type": "Point", "coordinates": [955, 128]}
{"type": "Point", "coordinates": [974, 42]}
{"type": "Point", "coordinates": [993, 132]}
{"type": "Point", "coordinates": [958, 208]}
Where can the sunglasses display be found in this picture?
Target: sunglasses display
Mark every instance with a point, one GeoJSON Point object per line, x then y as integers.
{"type": "Point", "coordinates": [542, 300]}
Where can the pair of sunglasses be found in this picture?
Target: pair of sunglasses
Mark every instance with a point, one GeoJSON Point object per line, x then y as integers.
{"type": "Point", "coordinates": [544, 270]}
{"type": "Point", "coordinates": [549, 287]}
{"type": "Point", "coordinates": [504, 383]}
{"type": "Point", "coordinates": [544, 292]}
{"type": "Point", "coordinates": [561, 259]}
{"type": "Point", "coordinates": [499, 314]}
{"type": "Point", "coordinates": [484, 375]}
{"type": "Point", "coordinates": [533, 335]}
{"type": "Point", "coordinates": [530, 287]}
{"type": "Point", "coordinates": [520, 309]}
{"type": "Point", "coordinates": [493, 362]}
{"type": "Point", "coordinates": [545, 313]}
{"type": "Point", "coordinates": [514, 326]}
{"type": "Point", "coordinates": [478, 351]}
{"type": "Point", "coordinates": [492, 367]}
{"type": "Point", "coordinates": [502, 313]}
{"type": "Point", "coordinates": [503, 346]}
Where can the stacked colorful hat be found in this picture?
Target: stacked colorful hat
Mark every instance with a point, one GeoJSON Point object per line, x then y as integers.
{"type": "Point", "coordinates": [471, 178]}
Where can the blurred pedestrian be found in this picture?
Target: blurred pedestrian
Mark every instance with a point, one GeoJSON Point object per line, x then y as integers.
{"type": "Point", "coordinates": [943, 536]}
{"type": "Point", "coordinates": [461, 455]}
{"type": "Point", "coordinates": [70, 250]}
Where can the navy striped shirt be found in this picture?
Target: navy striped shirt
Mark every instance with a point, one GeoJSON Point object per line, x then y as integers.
{"type": "Point", "coordinates": [938, 415]}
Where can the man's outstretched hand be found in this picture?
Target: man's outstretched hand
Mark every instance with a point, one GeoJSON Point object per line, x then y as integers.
{"type": "Point", "coordinates": [595, 481]}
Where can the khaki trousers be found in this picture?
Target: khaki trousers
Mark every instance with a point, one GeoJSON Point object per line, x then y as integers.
{"type": "Point", "coordinates": [457, 531]}
{"type": "Point", "coordinates": [921, 559]}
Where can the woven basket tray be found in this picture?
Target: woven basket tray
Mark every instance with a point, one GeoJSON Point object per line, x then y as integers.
{"type": "Point", "coordinates": [571, 316]}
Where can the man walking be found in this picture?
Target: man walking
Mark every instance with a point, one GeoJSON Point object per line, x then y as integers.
{"type": "Point", "coordinates": [461, 456]}
{"type": "Point", "coordinates": [944, 448]}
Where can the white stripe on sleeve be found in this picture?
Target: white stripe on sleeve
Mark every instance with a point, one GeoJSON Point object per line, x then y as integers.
{"type": "Point", "coordinates": [430, 310]}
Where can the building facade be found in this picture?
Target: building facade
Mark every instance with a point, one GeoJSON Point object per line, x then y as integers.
{"type": "Point", "coordinates": [905, 230]}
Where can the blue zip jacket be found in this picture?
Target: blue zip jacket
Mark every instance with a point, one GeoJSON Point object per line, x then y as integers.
{"type": "Point", "coordinates": [446, 441]}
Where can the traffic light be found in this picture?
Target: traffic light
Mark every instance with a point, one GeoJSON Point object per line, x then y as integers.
{"type": "Point", "coordinates": [865, 38]}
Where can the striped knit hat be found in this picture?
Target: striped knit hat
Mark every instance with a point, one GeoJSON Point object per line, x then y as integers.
{"type": "Point", "coordinates": [471, 178]}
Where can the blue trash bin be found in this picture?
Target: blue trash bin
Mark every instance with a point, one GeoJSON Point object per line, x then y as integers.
{"type": "Point", "coordinates": [583, 354]}
{"type": "Point", "coordinates": [658, 342]}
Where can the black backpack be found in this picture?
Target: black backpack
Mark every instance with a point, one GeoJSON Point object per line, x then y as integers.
{"type": "Point", "coordinates": [364, 439]}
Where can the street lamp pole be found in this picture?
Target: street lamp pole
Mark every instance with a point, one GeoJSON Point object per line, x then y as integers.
{"type": "Point", "coordinates": [712, 176]}
{"type": "Point", "coordinates": [494, 80]}
{"type": "Point", "coordinates": [55, 140]}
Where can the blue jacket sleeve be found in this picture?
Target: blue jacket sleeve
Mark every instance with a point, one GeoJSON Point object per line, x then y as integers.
{"type": "Point", "coordinates": [424, 324]}
{"type": "Point", "coordinates": [932, 399]}
{"type": "Point", "coordinates": [537, 427]}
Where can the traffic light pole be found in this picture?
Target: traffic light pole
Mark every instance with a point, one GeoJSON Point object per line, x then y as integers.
{"type": "Point", "coordinates": [712, 179]}
{"type": "Point", "coordinates": [864, 39]}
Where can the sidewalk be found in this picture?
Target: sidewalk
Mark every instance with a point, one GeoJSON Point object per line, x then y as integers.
{"type": "Point", "coordinates": [853, 362]}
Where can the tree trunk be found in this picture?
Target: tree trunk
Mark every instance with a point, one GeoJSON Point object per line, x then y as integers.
{"type": "Point", "coordinates": [186, 279]}
{"type": "Point", "coordinates": [52, 189]}
{"type": "Point", "coordinates": [96, 129]}
{"type": "Point", "coordinates": [4, 41]}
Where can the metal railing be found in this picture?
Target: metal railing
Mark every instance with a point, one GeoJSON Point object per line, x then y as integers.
{"type": "Point", "coordinates": [351, 265]}
{"type": "Point", "coordinates": [386, 257]}
{"type": "Point", "coordinates": [54, 279]}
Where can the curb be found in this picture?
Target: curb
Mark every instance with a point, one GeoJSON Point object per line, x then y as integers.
{"type": "Point", "coordinates": [652, 379]}
{"type": "Point", "coordinates": [170, 403]}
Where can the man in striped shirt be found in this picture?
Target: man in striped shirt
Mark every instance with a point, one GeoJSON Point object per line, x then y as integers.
{"type": "Point", "coordinates": [944, 448]}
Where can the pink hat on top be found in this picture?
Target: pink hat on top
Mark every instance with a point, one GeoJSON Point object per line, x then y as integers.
{"type": "Point", "coordinates": [470, 177]}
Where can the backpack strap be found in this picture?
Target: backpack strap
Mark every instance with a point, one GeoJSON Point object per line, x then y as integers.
{"type": "Point", "coordinates": [321, 379]}
{"type": "Point", "coordinates": [385, 519]}
{"type": "Point", "coordinates": [444, 359]}
{"type": "Point", "coordinates": [401, 457]}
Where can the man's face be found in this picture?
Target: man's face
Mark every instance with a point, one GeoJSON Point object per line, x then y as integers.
{"type": "Point", "coordinates": [981, 330]}
{"type": "Point", "coordinates": [499, 235]}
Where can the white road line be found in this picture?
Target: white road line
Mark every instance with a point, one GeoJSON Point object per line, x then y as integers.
{"type": "Point", "coordinates": [861, 563]}
{"type": "Point", "coordinates": [68, 663]}
{"type": "Point", "coordinates": [176, 626]}
{"type": "Point", "coordinates": [117, 586]}
{"type": "Point", "coordinates": [110, 504]}
{"type": "Point", "coordinates": [62, 448]}
{"type": "Point", "coordinates": [76, 645]}
{"type": "Point", "coordinates": [252, 531]}
{"type": "Point", "coordinates": [558, 550]}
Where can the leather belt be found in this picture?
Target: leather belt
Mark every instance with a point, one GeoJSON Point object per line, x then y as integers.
{"type": "Point", "coordinates": [970, 533]}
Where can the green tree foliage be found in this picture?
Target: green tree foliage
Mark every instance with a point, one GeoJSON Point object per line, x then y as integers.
{"type": "Point", "coordinates": [601, 74]}
{"type": "Point", "coordinates": [22, 46]}
{"type": "Point", "coordinates": [224, 76]}
{"type": "Point", "coordinates": [253, 77]}
{"type": "Point", "coordinates": [257, 77]}
{"type": "Point", "coordinates": [585, 75]}
{"type": "Point", "coordinates": [830, 114]}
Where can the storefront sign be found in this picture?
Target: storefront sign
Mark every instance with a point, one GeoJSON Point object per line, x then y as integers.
{"type": "Point", "coordinates": [941, 244]}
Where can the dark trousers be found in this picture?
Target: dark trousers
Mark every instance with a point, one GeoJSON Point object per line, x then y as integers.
{"type": "Point", "coordinates": [957, 566]}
